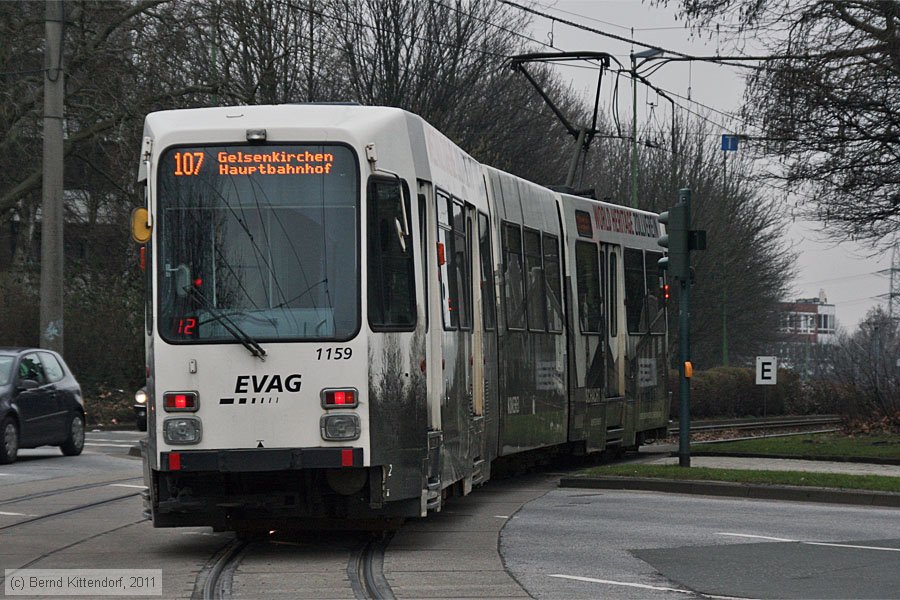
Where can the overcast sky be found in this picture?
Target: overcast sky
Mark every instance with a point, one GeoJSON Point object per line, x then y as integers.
{"type": "Point", "coordinates": [846, 272]}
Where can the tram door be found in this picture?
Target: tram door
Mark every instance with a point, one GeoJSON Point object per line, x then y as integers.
{"type": "Point", "coordinates": [459, 404]}
{"type": "Point", "coordinates": [476, 438]}
{"type": "Point", "coordinates": [488, 381]}
{"type": "Point", "coordinates": [610, 265]}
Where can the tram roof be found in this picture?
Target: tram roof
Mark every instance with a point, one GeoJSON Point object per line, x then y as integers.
{"type": "Point", "coordinates": [275, 119]}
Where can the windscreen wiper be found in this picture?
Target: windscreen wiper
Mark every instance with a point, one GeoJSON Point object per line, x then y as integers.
{"type": "Point", "coordinates": [229, 325]}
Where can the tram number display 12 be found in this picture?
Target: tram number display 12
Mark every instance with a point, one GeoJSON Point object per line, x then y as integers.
{"type": "Point", "coordinates": [186, 326]}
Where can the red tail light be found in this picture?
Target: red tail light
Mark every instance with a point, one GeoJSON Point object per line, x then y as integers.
{"type": "Point", "coordinates": [181, 402]}
{"type": "Point", "coordinates": [340, 398]}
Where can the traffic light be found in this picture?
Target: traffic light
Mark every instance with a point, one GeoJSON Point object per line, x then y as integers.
{"type": "Point", "coordinates": [677, 223]}
{"type": "Point", "coordinates": [664, 294]}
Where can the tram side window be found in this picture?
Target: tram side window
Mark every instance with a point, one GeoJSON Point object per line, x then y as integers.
{"type": "Point", "coordinates": [651, 268]}
{"type": "Point", "coordinates": [462, 265]}
{"type": "Point", "coordinates": [392, 301]}
{"type": "Point", "coordinates": [554, 287]}
{"type": "Point", "coordinates": [447, 265]}
{"type": "Point", "coordinates": [514, 281]}
{"type": "Point", "coordinates": [635, 291]}
{"type": "Point", "coordinates": [488, 302]}
{"type": "Point", "coordinates": [590, 302]}
{"type": "Point", "coordinates": [535, 281]}
{"type": "Point", "coordinates": [454, 266]}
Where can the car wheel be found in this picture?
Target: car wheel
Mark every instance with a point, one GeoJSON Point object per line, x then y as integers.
{"type": "Point", "coordinates": [9, 441]}
{"type": "Point", "coordinates": [74, 444]}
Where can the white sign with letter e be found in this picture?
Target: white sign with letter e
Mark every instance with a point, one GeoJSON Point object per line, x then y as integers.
{"type": "Point", "coordinates": [766, 370]}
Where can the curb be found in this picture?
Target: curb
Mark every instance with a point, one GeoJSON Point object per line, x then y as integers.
{"type": "Point", "coordinates": [737, 490]}
{"type": "Point", "coordinates": [117, 427]}
{"type": "Point", "coordinates": [841, 459]}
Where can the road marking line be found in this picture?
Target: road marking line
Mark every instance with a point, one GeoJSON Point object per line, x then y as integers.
{"type": "Point", "coordinates": [501, 517]}
{"type": "Point", "coordinates": [759, 537]}
{"type": "Point", "coordinates": [11, 514]}
{"type": "Point", "coordinates": [646, 587]}
{"type": "Point", "coordinates": [852, 546]}
{"type": "Point", "coordinates": [140, 487]}
{"type": "Point", "coordinates": [833, 544]}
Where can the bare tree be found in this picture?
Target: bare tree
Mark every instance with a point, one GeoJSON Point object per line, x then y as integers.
{"type": "Point", "coordinates": [747, 268]}
{"type": "Point", "coordinates": [272, 51]}
{"type": "Point", "coordinates": [827, 103]}
{"type": "Point", "coordinates": [867, 362]}
{"type": "Point", "coordinates": [447, 61]}
{"type": "Point", "coordinates": [121, 62]}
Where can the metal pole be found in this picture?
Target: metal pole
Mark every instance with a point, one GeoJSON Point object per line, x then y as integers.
{"type": "Point", "coordinates": [674, 149]}
{"type": "Point", "coordinates": [684, 349]}
{"type": "Point", "coordinates": [724, 272]}
{"type": "Point", "coordinates": [573, 164]}
{"type": "Point", "coordinates": [634, 176]}
{"type": "Point", "coordinates": [51, 306]}
{"type": "Point", "coordinates": [724, 325]}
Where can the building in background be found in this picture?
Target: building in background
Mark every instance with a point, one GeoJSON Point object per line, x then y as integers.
{"type": "Point", "coordinates": [808, 336]}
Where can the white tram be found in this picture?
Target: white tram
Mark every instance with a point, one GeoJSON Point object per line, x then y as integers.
{"type": "Point", "coordinates": [349, 318]}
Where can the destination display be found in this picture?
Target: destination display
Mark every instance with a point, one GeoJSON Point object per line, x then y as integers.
{"type": "Point", "coordinates": [191, 163]}
{"type": "Point", "coordinates": [619, 220]}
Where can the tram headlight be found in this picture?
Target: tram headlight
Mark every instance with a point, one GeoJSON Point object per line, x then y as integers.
{"type": "Point", "coordinates": [182, 430]}
{"type": "Point", "coordinates": [339, 427]}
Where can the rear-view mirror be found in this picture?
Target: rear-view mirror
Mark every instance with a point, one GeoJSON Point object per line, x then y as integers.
{"type": "Point", "coordinates": [182, 280]}
{"type": "Point", "coordinates": [27, 384]}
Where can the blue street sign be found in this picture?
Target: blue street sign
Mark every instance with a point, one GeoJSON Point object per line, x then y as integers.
{"type": "Point", "coordinates": [729, 142]}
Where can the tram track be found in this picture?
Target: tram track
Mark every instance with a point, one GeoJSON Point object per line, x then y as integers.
{"type": "Point", "coordinates": [364, 570]}
{"type": "Point", "coordinates": [775, 423]}
{"type": "Point", "coordinates": [83, 540]}
{"type": "Point", "coordinates": [67, 511]}
{"type": "Point", "coordinates": [74, 488]}
{"type": "Point", "coordinates": [214, 581]}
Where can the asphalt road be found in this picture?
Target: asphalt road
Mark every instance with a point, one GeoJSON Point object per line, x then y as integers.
{"type": "Point", "coordinates": [610, 544]}
{"type": "Point", "coordinates": [554, 543]}
{"type": "Point", "coordinates": [47, 462]}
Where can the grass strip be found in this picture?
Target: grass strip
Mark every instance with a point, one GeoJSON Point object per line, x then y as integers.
{"type": "Point", "coordinates": [820, 444]}
{"type": "Point", "coordinates": [875, 483]}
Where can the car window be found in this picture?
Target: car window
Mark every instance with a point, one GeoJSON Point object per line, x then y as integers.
{"type": "Point", "coordinates": [52, 369]}
{"type": "Point", "coordinates": [31, 368]}
{"type": "Point", "coordinates": [6, 363]}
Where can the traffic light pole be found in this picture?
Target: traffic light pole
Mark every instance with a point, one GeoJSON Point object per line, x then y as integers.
{"type": "Point", "coordinates": [684, 352]}
{"type": "Point", "coordinates": [679, 240]}
{"type": "Point", "coordinates": [684, 346]}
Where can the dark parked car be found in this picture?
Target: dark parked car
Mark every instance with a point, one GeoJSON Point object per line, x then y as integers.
{"type": "Point", "coordinates": [40, 403]}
